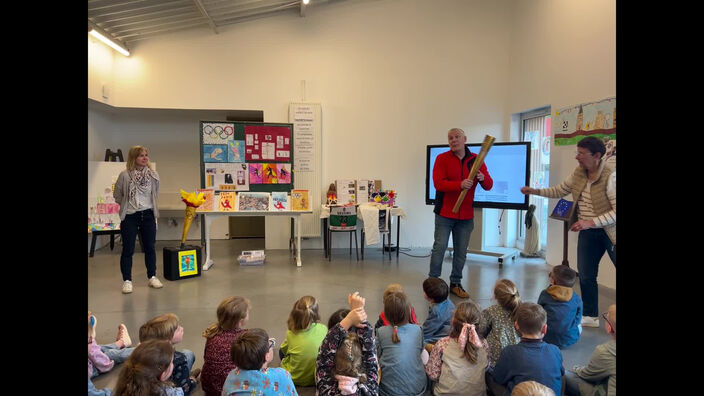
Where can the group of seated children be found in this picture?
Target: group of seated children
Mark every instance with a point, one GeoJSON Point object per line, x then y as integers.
{"type": "Point", "coordinates": [511, 347]}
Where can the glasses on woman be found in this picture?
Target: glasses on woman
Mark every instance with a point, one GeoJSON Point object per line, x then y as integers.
{"type": "Point", "coordinates": [272, 343]}
{"type": "Point", "coordinates": [605, 315]}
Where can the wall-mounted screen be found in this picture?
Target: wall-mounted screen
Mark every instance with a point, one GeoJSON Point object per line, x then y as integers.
{"type": "Point", "coordinates": [507, 163]}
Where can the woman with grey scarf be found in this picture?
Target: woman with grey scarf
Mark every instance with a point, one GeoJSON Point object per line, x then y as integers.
{"type": "Point", "coordinates": [136, 191]}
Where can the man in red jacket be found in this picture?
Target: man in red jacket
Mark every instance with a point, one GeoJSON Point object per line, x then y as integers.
{"type": "Point", "coordinates": [450, 177]}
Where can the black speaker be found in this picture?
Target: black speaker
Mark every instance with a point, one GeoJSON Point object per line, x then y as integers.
{"type": "Point", "coordinates": [182, 262]}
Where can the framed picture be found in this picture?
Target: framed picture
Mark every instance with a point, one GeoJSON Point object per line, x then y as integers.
{"type": "Point", "coordinates": [259, 201]}
{"type": "Point", "coordinates": [187, 263]}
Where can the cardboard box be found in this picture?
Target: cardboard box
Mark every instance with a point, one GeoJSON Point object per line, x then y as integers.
{"type": "Point", "coordinates": [251, 257]}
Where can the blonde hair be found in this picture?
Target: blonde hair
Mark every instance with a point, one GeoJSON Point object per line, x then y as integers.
{"type": "Point", "coordinates": [303, 314]}
{"type": "Point", "coordinates": [393, 287]}
{"type": "Point", "coordinates": [132, 155]}
{"type": "Point", "coordinates": [230, 313]}
{"type": "Point", "coordinates": [161, 327]}
{"type": "Point", "coordinates": [506, 294]}
{"type": "Point", "coordinates": [531, 388]}
{"type": "Point", "coordinates": [458, 130]}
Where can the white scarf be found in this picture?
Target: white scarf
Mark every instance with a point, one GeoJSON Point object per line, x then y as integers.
{"type": "Point", "coordinates": [140, 182]}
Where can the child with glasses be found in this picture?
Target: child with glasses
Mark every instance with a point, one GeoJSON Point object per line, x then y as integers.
{"type": "Point", "coordinates": [598, 377]}
{"type": "Point", "coordinates": [251, 353]}
{"type": "Point", "coordinates": [563, 306]}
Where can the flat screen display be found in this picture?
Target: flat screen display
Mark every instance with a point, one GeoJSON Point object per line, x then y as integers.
{"type": "Point", "coordinates": [507, 163]}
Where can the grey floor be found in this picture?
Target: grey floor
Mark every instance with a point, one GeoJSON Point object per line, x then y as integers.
{"type": "Point", "coordinates": [273, 288]}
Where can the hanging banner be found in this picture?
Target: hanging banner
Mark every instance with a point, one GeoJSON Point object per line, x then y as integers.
{"type": "Point", "coordinates": [572, 124]}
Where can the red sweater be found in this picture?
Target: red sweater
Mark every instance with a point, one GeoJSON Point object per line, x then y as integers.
{"type": "Point", "coordinates": [448, 173]}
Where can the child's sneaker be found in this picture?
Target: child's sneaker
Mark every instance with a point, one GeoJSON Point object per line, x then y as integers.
{"type": "Point", "coordinates": [155, 283]}
{"type": "Point", "coordinates": [123, 335]}
{"type": "Point", "coordinates": [127, 287]}
{"type": "Point", "coordinates": [588, 321]}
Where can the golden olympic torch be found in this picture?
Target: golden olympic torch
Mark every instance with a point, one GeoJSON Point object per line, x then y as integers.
{"type": "Point", "coordinates": [486, 145]}
{"type": "Point", "coordinates": [192, 202]}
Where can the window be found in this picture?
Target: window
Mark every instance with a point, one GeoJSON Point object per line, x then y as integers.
{"type": "Point", "coordinates": [535, 127]}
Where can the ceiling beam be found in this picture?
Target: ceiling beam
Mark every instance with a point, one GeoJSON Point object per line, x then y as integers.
{"type": "Point", "coordinates": [205, 14]}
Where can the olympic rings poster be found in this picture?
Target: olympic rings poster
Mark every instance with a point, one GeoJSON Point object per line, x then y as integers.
{"type": "Point", "coordinates": [218, 133]}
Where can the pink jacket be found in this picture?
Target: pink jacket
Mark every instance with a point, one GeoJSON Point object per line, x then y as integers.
{"type": "Point", "coordinates": [97, 359]}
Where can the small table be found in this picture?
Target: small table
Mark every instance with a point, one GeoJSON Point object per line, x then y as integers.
{"type": "Point", "coordinates": [209, 216]}
{"type": "Point", "coordinates": [112, 234]}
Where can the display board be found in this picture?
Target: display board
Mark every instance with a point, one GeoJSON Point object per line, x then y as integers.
{"type": "Point", "coordinates": [246, 156]}
{"type": "Point", "coordinates": [509, 166]}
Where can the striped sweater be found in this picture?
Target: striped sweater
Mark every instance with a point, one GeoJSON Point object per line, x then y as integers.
{"type": "Point", "coordinates": [596, 200]}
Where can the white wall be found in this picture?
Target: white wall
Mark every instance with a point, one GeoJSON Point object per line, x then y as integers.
{"type": "Point", "coordinates": [563, 53]}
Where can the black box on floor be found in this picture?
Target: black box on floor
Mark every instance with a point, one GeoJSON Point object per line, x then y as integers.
{"type": "Point", "coordinates": [182, 262]}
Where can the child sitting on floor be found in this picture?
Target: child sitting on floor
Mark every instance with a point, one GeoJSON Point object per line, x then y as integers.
{"type": "Point", "coordinates": [232, 314]}
{"type": "Point", "coordinates": [497, 324]}
{"type": "Point", "coordinates": [394, 287]}
{"type": "Point", "coordinates": [437, 324]}
{"type": "Point", "coordinates": [251, 353]}
{"type": "Point", "coordinates": [598, 377]}
{"type": "Point", "coordinates": [168, 327]}
{"type": "Point", "coordinates": [327, 382]}
{"type": "Point", "coordinates": [303, 338]}
{"type": "Point", "coordinates": [457, 362]}
{"type": "Point", "coordinates": [147, 371]}
{"type": "Point", "coordinates": [399, 350]}
{"type": "Point", "coordinates": [532, 359]}
{"type": "Point", "coordinates": [563, 307]}
{"type": "Point", "coordinates": [102, 358]}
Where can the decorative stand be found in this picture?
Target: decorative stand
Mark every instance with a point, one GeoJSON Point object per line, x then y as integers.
{"type": "Point", "coordinates": [565, 212]}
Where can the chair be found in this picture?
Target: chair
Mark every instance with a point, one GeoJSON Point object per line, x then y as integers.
{"type": "Point", "coordinates": [343, 219]}
{"type": "Point", "coordinates": [384, 230]}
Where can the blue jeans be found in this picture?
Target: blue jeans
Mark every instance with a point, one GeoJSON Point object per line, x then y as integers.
{"type": "Point", "coordinates": [461, 231]}
{"type": "Point", "coordinates": [144, 223]}
{"type": "Point", "coordinates": [114, 353]}
{"type": "Point", "coordinates": [591, 245]}
{"type": "Point", "coordinates": [93, 391]}
{"type": "Point", "coordinates": [190, 358]}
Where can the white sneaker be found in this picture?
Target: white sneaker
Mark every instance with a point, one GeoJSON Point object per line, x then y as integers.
{"type": "Point", "coordinates": [127, 287]}
{"type": "Point", "coordinates": [123, 335]}
{"type": "Point", "coordinates": [155, 283]}
{"type": "Point", "coordinates": [589, 321]}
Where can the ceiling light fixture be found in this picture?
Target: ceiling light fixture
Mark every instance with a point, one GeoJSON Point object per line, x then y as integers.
{"type": "Point", "coordinates": [306, 2]}
{"type": "Point", "coordinates": [102, 36]}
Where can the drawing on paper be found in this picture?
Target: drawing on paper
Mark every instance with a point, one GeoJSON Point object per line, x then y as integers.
{"type": "Point", "coordinates": [215, 153]}
{"type": "Point", "coordinates": [253, 201]}
{"type": "Point", "coordinates": [255, 174]}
